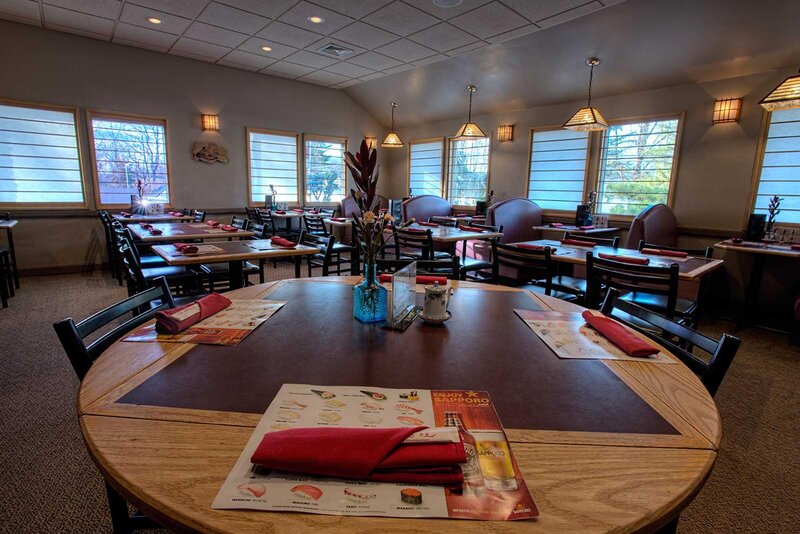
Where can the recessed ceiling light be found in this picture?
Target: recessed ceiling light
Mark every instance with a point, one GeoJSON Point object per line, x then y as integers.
{"type": "Point", "coordinates": [153, 20]}
{"type": "Point", "coordinates": [266, 48]}
{"type": "Point", "coordinates": [316, 20]}
{"type": "Point", "coordinates": [447, 3]}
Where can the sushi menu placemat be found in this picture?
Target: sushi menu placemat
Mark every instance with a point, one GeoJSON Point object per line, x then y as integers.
{"type": "Point", "coordinates": [493, 487]}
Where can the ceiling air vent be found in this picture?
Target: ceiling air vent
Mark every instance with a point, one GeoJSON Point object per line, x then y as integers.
{"type": "Point", "coordinates": [335, 50]}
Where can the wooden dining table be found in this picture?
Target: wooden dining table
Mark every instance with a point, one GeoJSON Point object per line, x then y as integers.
{"type": "Point", "coordinates": [235, 253]}
{"type": "Point", "coordinates": [603, 445]}
{"type": "Point", "coordinates": [184, 231]}
{"type": "Point", "coordinates": [577, 229]}
{"type": "Point", "coordinates": [152, 218]}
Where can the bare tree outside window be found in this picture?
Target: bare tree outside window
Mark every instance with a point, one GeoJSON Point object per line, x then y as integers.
{"type": "Point", "coordinates": [325, 178]}
{"type": "Point", "coordinates": [469, 171]}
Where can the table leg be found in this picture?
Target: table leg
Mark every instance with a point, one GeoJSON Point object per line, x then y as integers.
{"type": "Point", "coordinates": [750, 307]}
{"type": "Point", "coordinates": [297, 262]}
{"type": "Point", "coordinates": [236, 275]}
{"type": "Point", "coordinates": [13, 253]}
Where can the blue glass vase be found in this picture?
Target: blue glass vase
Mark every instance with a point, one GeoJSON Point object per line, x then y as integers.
{"type": "Point", "coordinates": [369, 298]}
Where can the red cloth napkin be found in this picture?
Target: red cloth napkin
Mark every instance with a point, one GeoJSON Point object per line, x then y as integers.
{"type": "Point", "coordinates": [660, 252]}
{"type": "Point", "coordinates": [796, 247]}
{"type": "Point", "coordinates": [465, 228]}
{"type": "Point", "coordinates": [186, 248]}
{"type": "Point", "coordinates": [338, 219]}
{"type": "Point", "coordinates": [587, 227]}
{"type": "Point", "coordinates": [155, 231]}
{"type": "Point", "coordinates": [280, 212]}
{"type": "Point", "coordinates": [625, 259]}
{"type": "Point", "coordinates": [212, 223]}
{"type": "Point", "coordinates": [376, 454]}
{"type": "Point", "coordinates": [578, 243]}
{"type": "Point", "coordinates": [124, 214]}
{"type": "Point", "coordinates": [631, 344]}
{"type": "Point", "coordinates": [530, 247]}
{"type": "Point", "coordinates": [421, 279]}
{"type": "Point", "coordinates": [229, 228]}
{"type": "Point", "coordinates": [179, 319]}
{"type": "Point", "coordinates": [313, 212]}
{"type": "Point", "coordinates": [426, 223]}
{"type": "Point", "coordinates": [555, 225]}
{"type": "Point", "coordinates": [146, 225]}
{"type": "Point", "coordinates": [459, 215]}
{"type": "Point", "coordinates": [413, 230]}
{"type": "Point", "coordinates": [283, 242]}
{"type": "Point", "coordinates": [298, 210]}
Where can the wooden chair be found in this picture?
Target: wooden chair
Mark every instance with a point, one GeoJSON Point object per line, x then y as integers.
{"type": "Point", "coordinates": [139, 278]}
{"type": "Point", "coordinates": [529, 265]}
{"type": "Point", "coordinates": [240, 222]}
{"type": "Point", "coordinates": [82, 355]}
{"type": "Point", "coordinates": [314, 225]}
{"type": "Point", "coordinates": [444, 267]}
{"type": "Point", "coordinates": [472, 265]}
{"type": "Point", "coordinates": [602, 241]}
{"type": "Point", "coordinates": [674, 336]}
{"type": "Point", "coordinates": [189, 212]}
{"type": "Point", "coordinates": [321, 260]}
{"type": "Point", "coordinates": [415, 245]}
{"type": "Point", "coordinates": [6, 279]}
{"type": "Point", "coordinates": [199, 216]}
{"type": "Point", "coordinates": [111, 249]}
{"type": "Point", "coordinates": [251, 213]}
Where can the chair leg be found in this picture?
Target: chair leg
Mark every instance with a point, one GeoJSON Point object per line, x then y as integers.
{"type": "Point", "coordinates": [669, 528]}
{"type": "Point", "coordinates": [119, 511]}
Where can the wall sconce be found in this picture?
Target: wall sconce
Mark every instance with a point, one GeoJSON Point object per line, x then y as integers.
{"type": "Point", "coordinates": [371, 142]}
{"type": "Point", "coordinates": [727, 110]}
{"type": "Point", "coordinates": [505, 133]}
{"type": "Point", "coordinates": [210, 123]}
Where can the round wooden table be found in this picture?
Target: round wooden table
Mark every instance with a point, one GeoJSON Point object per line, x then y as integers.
{"type": "Point", "coordinates": [604, 445]}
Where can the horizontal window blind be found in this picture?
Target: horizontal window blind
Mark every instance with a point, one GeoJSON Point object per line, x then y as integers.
{"type": "Point", "coordinates": [425, 167]}
{"type": "Point", "coordinates": [273, 161]}
{"type": "Point", "coordinates": [636, 166]}
{"type": "Point", "coordinates": [780, 168]}
{"type": "Point", "coordinates": [324, 170]}
{"type": "Point", "coordinates": [468, 171]}
{"type": "Point", "coordinates": [130, 155]}
{"type": "Point", "coordinates": [558, 168]}
{"type": "Point", "coordinates": [39, 157]}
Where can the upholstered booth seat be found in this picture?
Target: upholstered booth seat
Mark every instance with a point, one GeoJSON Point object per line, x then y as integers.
{"type": "Point", "coordinates": [655, 224]}
{"type": "Point", "coordinates": [423, 207]}
{"type": "Point", "coordinates": [349, 207]}
{"type": "Point", "coordinates": [517, 216]}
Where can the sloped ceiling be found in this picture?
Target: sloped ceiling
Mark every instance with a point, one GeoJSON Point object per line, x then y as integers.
{"type": "Point", "coordinates": [642, 44]}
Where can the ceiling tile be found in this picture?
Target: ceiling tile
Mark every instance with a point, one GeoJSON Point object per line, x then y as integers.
{"type": "Point", "coordinates": [227, 63]}
{"type": "Point", "coordinates": [405, 50]}
{"type": "Point", "coordinates": [298, 16]}
{"type": "Point", "coordinates": [467, 48]}
{"type": "Point", "coordinates": [183, 8]}
{"type": "Point", "coordinates": [443, 37]}
{"type": "Point", "coordinates": [321, 77]}
{"type": "Point", "coordinates": [348, 69]}
{"type": "Point", "coordinates": [542, 9]}
{"type": "Point", "coordinates": [58, 18]}
{"type": "Point", "coordinates": [373, 60]}
{"type": "Point", "coordinates": [198, 49]}
{"type": "Point", "coordinates": [310, 59]}
{"type": "Point", "coordinates": [491, 19]}
{"type": "Point", "coordinates": [373, 76]}
{"type": "Point", "coordinates": [137, 36]}
{"type": "Point", "coordinates": [288, 69]}
{"type": "Point", "coordinates": [513, 34]}
{"type": "Point", "coordinates": [431, 59]}
{"type": "Point", "coordinates": [138, 16]}
{"type": "Point", "coordinates": [24, 11]}
{"type": "Point", "coordinates": [254, 44]}
{"type": "Point", "coordinates": [215, 35]}
{"type": "Point", "coordinates": [450, 12]}
{"type": "Point", "coordinates": [240, 57]}
{"type": "Point", "coordinates": [272, 8]}
{"type": "Point", "coordinates": [346, 84]}
{"type": "Point", "coordinates": [108, 9]}
{"type": "Point", "coordinates": [569, 15]}
{"type": "Point", "coordinates": [399, 68]}
{"type": "Point", "coordinates": [364, 35]}
{"type": "Point", "coordinates": [353, 8]}
{"type": "Point", "coordinates": [401, 19]}
{"type": "Point", "coordinates": [289, 35]}
{"type": "Point", "coordinates": [232, 19]}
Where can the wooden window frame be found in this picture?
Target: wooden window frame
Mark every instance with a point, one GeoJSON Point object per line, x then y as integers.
{"type": "Point", "coordinates": [45, 206]}
{"type": "Point", "coordinates": [590, 142]}
{"type": "Point", "coordinates": [302, 190]}
{"type": "Point", "coordinates": [447, 177]}
{"type": "Point", "coordinates": [298, 155]}
{"type": "Point", "coordinates": [133, 118]}
{"type": "Point", "coordinates": [443, 163]}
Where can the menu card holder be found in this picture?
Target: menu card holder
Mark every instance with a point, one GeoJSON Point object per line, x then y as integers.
{"type": "Point", "coordinates": [755, 227]}
{"type": "Point", "coordinates": [403, 309]}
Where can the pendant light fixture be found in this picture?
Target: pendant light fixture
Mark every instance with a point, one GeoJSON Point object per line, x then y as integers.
{"type": "Point", "coordinates": [470, 130]}
{"type": "Point", "coordinates": [785, 96]}
{"type": "Point", "coordinates": [588, 119]}
{"type": "Point", "coordinates": [392, 140]}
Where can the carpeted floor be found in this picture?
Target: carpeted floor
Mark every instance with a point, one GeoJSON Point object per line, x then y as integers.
{"type": "Point", "coordinates": [49, 484]}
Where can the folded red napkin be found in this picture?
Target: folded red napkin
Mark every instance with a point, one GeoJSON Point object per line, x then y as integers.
{"type": "Point", "coordinates": [146, 225]}
{"type": "Point", "coordinates": [577, 243]}
{"type": "Point", "coordinates": [179, 319]}
{"type": "Point", "coordinates": [229, 228]}
{"type": "Point", "coordinates": [155, 231]}
{"type": "Point", "coordinates": [124, 214]}
{"type": "Point", "coordinates": [283, 242]}
{"type": "Point", "coordinates": [426, 223]}
{"type": "Point", "coordinates": [631, 344]}
{"type": "Point", "coordinates": [459, 215]}
{"type": "Point", "coordinates": [176, 213]}
{"type": "Point", "coordinates": [414, 230]}
{"type": "Point", "coordinates": [376, 454]}
{"type": "Point", "coordinates": [661, 252]}
{"type": "Point", "coordinates": [587, 227]}
{"type": "Point", "coordinates": [280, 212]}
{"type": "Point", "coordinates": [796, 247]}
{"type": "Point", "coordinates": [212, 223]}
{"type": "Point", "coordinates": [186, 248]}
{"type": "Point", "coordinates": [338, 219]}
{"type": "Point", "coordinates": [298, 210]}
{"type": "Point", "coordinates": [465, 228]}
{"type": "Point", "coordinates": [625, 259]}
{"type": "Point", "coordinates": [530, 247]}
{"type": "Point", "coordinates": [313, 212]}
{"type": "Point", "coordinates": [555, 225]}
{"type": "Point", "coordinates": [421, 279]}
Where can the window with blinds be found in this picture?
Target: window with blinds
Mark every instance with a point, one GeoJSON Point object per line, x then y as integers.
{"type": "Point", "coordinates": [558, 168]}
{"type": "Point", "coordinates": [273, 164]}
{"type": "Point", "coordinates": [468, 171]}
{"type": "Point", "coordinates": [425, 167]}
{"type": "Point", "coordinates": [39, 157]}
{"type": "Point", "coordinates": [780, 166]}
{"type": "Point", "coordinates": [325, 179]}
{"type": "Point", "coordinates": [130, 158]}
{"type": "Point", "coordinates": [636, 165]}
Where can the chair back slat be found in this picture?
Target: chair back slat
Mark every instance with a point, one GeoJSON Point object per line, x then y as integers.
{"type": "Point", "coordinates": [240, 222]}
{"type": "Point", "coordinates": [315, 225]}
{"type": "Point", "coordinates": [706, 253]}
{"type": "Point", "coordinates": [606, 273]}
{"type": "Point", "coordinates": [603, 241]}
{"type": "Point", "coordinates": [72, 335]}
{"type": "Point", "coordinates": [199, 216]}
{"type": "Point", "coordinates": [529, 264]}
{"type": "Point", "coordinates": [412, 241]}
